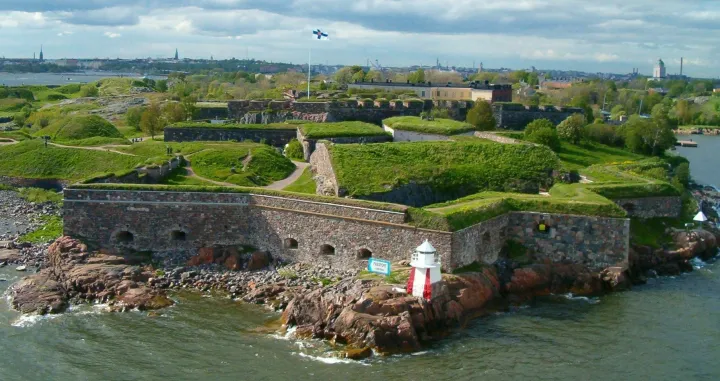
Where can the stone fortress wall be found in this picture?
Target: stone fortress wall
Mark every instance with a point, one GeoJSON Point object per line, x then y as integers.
{"type": "Point", "coordinates": [326, 234]}
{"type": "Point", "coordinates": [514, 116]}
{"type": "Point", "coordinates": [652, 207]}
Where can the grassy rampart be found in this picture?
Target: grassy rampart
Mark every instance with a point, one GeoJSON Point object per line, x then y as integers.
{"type": "Point", "coordinates": [271, 126]}
{"type": "Point", "coordinates": [436, 126]}
{"type": "Point", "coordinates": [340, 129]}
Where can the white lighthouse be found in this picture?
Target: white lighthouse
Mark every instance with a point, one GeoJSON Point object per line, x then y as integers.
{"type": "Point", "coordinates": [425, 272]}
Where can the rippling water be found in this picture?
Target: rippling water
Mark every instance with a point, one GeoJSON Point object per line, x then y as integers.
{"type": "Point", "coordinates": [668, 329]}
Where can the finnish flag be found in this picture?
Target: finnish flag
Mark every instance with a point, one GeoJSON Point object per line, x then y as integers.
{"type": "Point", "coordinates": [319, 35]}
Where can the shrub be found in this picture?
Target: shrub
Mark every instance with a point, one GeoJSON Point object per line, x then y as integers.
{"type": "Point", "coordinates": [440, 113]}
{"type": "Point", "coordinates": [571, 129]}
{"type": "Point", "coordinates": [604, 134]}
{"type": "Point", "coordinates": [294, 150]}
{"type": "Point", "coordinates": [544, 135]}
{"type": "Point", "coordinates": [481, 116]}
{"type": "Point", "coordinates": [682, 174]}
{"type": "Point", "coordinates": [89, 90]}
{"type": "Point", "coordinates": [56, 97]}
{"type": "Point", "coordinates": [19, 119]}
{"type": "Point", "coordinates": [132, 118]}
{"type": "Point", "coordinates": [69, 89]}
{"type": "Point", "coordinates": [538, 124]}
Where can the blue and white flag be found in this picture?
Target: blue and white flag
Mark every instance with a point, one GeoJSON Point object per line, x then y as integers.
{"type": "Point", "coordinates": [319, 35]}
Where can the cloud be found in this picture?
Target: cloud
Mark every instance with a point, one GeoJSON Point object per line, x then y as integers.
{"type": "Point", "coordinates": [613, 35]}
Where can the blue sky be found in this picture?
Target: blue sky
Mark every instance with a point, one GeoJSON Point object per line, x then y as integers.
{"type": "Point", "coordinates": [612, 35]}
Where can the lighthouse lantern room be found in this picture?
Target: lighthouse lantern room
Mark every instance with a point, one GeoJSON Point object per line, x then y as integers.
{"type": "Point", "coordinates": [425, 271]}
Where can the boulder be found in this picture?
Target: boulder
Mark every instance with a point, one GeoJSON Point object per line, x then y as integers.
{"type": "Point", "coordinates": [205, 256]}
{"type": "Point", "coordinates": [259, 260]}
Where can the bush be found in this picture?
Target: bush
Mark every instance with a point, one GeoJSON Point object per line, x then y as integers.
{"type": "Point", "coordinates": [682, 174]}
{"type": "Point", "coordinates": [440, 113]}
{"type": "Point", "coordinates": [132, 118]}
{"type": "Point", "coordinates": [56, 97]}
{"type": "Point", "coordinates": [546, 136]}
{"type": "Point", "coordinates": [604, 134]}
{"type": "Point", "coordinates": [294, 150]}
{"type": "Point", "coordinates": [481, 116]}
{"type": "Point", "coordinates": [571, 129]}
{"type": "Point", "coordinates": [69, 89]}
{"type": "Point", "coordinates": [538, 124]}
{"type": "Point", "coordinates": [19, 119]}
{"type": "Point", "coordinates": [89, 90]}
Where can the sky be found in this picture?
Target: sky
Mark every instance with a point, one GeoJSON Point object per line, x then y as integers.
{"type": "Point", "coordinates": [608, 36]}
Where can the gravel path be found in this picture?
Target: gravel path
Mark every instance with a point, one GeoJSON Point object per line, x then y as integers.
{"type": "Point", "coordinates": [280, 185]}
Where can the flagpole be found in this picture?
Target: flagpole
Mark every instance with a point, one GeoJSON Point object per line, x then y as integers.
{"type": "Point", "coordinates": [309, 57]}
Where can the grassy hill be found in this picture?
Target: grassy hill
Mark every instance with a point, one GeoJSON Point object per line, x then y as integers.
{"type": "Point", "coordinates": [31, 159]}
{"type": "Point", "coordinates": [447, 169]}
{"type": "Point", "coordinates": [263, 166]}
{"type": "Point", "coordinates": [436, 126]}
{"type": "Point", "coordinates": [80, 127]}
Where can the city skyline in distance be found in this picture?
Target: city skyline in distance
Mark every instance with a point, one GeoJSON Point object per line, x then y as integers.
{"type": "Point", "coordinates": [612, 37]}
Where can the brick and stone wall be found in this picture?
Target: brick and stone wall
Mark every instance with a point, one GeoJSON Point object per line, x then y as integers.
{"type": "Point", "coordinates": [275, 137]}
{"type": "Point", "coordinates": [211, 113]}
{"type": "Point", "coordinates": [596, 242]}
{"type": "Point", "coordinates": [310, 144]}
{"type": "Point", "coordinates": [23, 182]}
{"type": "Point", "coordinates": [323, 171]}
{"type": "Point", "coordinates": [480, 243]}
{"type": "Point", "coordinates": [166, 221]}
{"type": "Point", "coordinates": [517, 117]}
{"type": "Point", "coordinates": [412, 136]}
{"type": "Point", "coordinates": [326, 234]}
{"type": "Point", "coordinates": [652, 207]}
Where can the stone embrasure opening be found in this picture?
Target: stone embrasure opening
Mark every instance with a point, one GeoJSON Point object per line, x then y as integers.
{"type": "Point", "coordinates": [327, 250]}
{"type": "Point", "coordinates": [629, 207]}
{"type": "Point", "coordinates": [290, 243]}
{"type": "Point", "coordinates": [125, 236]}
{"type": "Point", "coordinates": [178, 235]}
{"type": "Point", "coordinates": [364, 254]}
{"type": "Point", "coordinates": [486, 238]}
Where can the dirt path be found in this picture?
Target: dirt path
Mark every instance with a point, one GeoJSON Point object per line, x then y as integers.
{"type": "Point", "coordinates": [99, 148]}
{"type": "Point", "coordinates": [191, 173]}
{"type": "Point", "coordinates": [9, 143]}
{"type": "Point", "coordinates": [280, 185]}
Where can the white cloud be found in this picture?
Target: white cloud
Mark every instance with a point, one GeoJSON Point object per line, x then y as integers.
{"type": "Point", "coordinates": [112, 34]}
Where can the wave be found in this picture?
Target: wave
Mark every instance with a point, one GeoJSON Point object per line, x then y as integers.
{"type": "Point", "coordinates": [329, 359]}
{"type": "Point", "coordinates": [29, 320]}
{"type": "Point", "coordinates": [570, 296]}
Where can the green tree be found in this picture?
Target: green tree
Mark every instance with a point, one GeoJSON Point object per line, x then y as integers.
{"type": "Point", "coordinates": [151, 121]}
{"type": "Point", "coordinates": [173, 112]}
{"type": "Point", "coordinates": [359, 76]}
{"type": "Point", "coordinates": [133, 116]}
{"type": "Point", "coordinates": [682, 174]}
{"type": "Point", "coordinates": [617, 112]}
{"type": "Point", "coordinates": [571, 129]}
{"type": "Point", "coordinates": [294, 150]}
{"type": "Point", "coordinates": [189, 106]}
{"type": "Point", "coordinates": [683, 112]}
{"type": "Point", "coordinates": [373, 75]}
{"type": "Point", "coordinates": [481, 116]}
{"type": "Point", "coordinates": [545, 135]}
{"type": "Point", "coordinates": [538, 124]}
{"type": "Point", "coordinates": [645, 136]}
{"type": "Point", "coordinates": [89, 90]}
{"type": "Point", "coordinates": [417, 76]}
{"type": "Point", "coordinates": [161, 86]}
{"type": "Point", "coordinates": [19, 119]}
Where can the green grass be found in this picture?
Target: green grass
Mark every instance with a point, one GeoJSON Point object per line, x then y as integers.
{"type": "Point", "coordinates": [12, 104]}
{"type": "Point", "coordinates": [454, 169]}
{"type": "Point", "coordinates": [340, 129]}
{"type": "Point", "coordinates": [271, 126]}
{"type": "Point", "coordinates": [304, 183]}
{"type": "Point", "coordinates": [18, 135]}
{"type": "Point", "coordinates": [265, 166]}
{"type": "Point", "coordinates": [211, 105]}
{"type": "Point", "coordinates": [30, 159]}
{"type": "Point", "coordinates": [51, 230]}
{"type": "Point", "coordinates": [79, 127]}
{"type": "Point", "coordinates": [115, 86]}
{"type": "Point", "coordinates": [179, 177]}
{"type": "Point", "coordinates": [153, 148]}
{"type": "Point", "coordinates": [96, 141]}
{"type": "Point", "coordinates": [585, 155]}
{"type": "Point", "coordinates": [437, 126]}
{"type": "Point", "coordinates": [38, 195]}
{"type": "Point", "coordinates": [130, 132]}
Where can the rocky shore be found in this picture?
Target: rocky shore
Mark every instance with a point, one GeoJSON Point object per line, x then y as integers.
{"type": "Point", "coordinates": [18, 217]}
{"type": "Point", "coordinates": [363, 312]}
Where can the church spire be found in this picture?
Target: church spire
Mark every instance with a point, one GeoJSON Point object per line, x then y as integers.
{"type": "Point", "coordinates": [41, 53]}
{"type": "Point", "coordinates": [176, 54]}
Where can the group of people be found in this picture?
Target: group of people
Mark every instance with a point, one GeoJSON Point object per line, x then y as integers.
{"type": "Point", "coordinates": [136, 140]}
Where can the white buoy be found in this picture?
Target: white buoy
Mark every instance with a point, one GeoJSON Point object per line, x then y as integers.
{"type": "Point", "coordinates": [425, 272]}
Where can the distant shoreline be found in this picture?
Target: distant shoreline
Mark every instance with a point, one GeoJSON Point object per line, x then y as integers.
{"type": "Point", "coordinates": [59, 79]}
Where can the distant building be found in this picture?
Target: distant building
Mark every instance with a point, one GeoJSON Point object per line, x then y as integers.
{"type": "Point", "coordinates": [659, 70]}
{"type": "Point", "coordinates": [448, 92]}
{"type": "Point", "coordinates": [657, 90]}
{"type": "Point", "coordinates": [177, 57]}
{"type": "Point", "coordinates": [67, 62]}
{"type": "Point", "coordinates": [42, 57]}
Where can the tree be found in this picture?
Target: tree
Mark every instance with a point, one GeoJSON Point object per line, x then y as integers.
{"type": "Point", "coordinates": [617, 112]}
{"type": "Point", "coordinates": [536, 125]}
{"type": "Point", "coordinates": [682, 174]}
{"type": "Point", "coordinates": [646, 137]}
{"type": "Point", "coordinates": [174, 112]}
{"type": "Point", "coordinates": [151, 121]}
{"type": "Point", "coordinates": [571, 129]}
{"type": "Point", "coordinates": [417, 77]}
{"type": "Point", "coordinates": [161, 86]}
{"type": "Point", "coordinates": [188, 105]}
{"type": "Point", "coordinates": [359, 76]}
{"type": "Point", "coordinates": [683, 112]}
{"type": "Point", "coordinates": [481, 116]}
{"type": "Point", "coordinates": [89, 90]}
{"type": "Point", "coordinates": [543, 134]}
{"type": "Point", "coordinates": [373, 75]}
{"type": "Point", "coordinates": [133, 116]}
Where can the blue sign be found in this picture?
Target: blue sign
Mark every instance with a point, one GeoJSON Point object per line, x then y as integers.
{"type": "Point", "coordinates": [379, 266]}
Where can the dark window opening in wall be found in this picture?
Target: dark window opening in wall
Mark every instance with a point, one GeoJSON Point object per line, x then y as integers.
{"type": "Point", "coordinates": [327, 250]}
{"type": "Point", "coordinates": [125, 237]}
{"type": "Point", "coordinates": [486, 238]}
{"type": "Point", "coordinates": [629, 207]}
{"type": "Point", "coordinates": [290, 243]}
{"type": "Point", "coordinates": [364, 254]}
{"type": "Point", "coordinates": [178, 235]}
